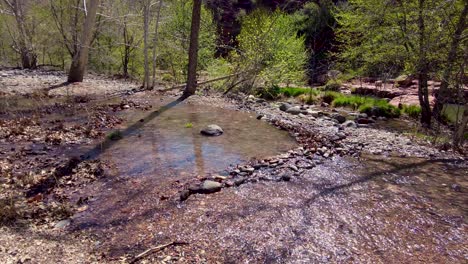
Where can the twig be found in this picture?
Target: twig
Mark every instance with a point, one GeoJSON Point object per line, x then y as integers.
{"type": "Point", "coordinates": [154, 249]}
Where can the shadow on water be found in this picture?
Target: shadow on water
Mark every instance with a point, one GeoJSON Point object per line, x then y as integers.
{"type": "Point", "coordinates": [47, 184]}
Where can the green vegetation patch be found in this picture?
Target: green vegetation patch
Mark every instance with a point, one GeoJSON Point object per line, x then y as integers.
{"type": "Point", "coordinates": [413, 111]}
{"type": "Point", "coordinates": [296, 91]}
{"type": "Point", "coordinates": [368, 105]}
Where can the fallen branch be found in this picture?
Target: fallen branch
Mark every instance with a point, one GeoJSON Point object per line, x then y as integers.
{"type": "Point", "coordinates": [155, 249]}
{"type": "Point", "coordinates": [180, 86]}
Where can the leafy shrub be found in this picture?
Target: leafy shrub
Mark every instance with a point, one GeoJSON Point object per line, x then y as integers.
{"type": "Point", "coordinates": [271, 93]}
{"type": "Point", "coordinates": [413, 111]}
{"type": "Point", "coordinates": [269, 43]}
{"type": "Point", "coordinates": [329, 96]}
{"type": "Point", "coordinates": [332, 85]}
{"type": "Point", "coordinates": [167, 77]}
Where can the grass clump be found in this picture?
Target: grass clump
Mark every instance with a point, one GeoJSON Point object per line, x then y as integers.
{"type": "Point", "coordinates": [188, 125]}
{"type": "Point", "coordinates": [297, 91]}
{"type": "Point", "coordinates": [307, 98]}
{"type": "Point", "coordinates": [412, 111]}
{"type": "Point", "coordinates": [368, 105]}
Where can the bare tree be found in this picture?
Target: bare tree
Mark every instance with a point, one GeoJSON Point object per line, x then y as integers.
{"type": "Point", "coordinates": [155, 40]}
{"type": "Point", "coordinates": [146, 15]}
{"type": "Point", "coordinates": [23, 44]}
{"type": "Point", "coordinates": [193, 50]}
{"type": "Point", "coordinates": [80, 60]}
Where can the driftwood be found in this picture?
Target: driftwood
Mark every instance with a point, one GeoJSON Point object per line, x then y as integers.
{"type": "Point", "coordinates": [155, 249]}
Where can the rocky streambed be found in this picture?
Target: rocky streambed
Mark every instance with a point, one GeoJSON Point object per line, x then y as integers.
{"type": "Point", "coordinates": [325, 185]}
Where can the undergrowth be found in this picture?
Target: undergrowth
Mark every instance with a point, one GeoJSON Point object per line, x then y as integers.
{"type": "Point", "coordinates": [412, 111]}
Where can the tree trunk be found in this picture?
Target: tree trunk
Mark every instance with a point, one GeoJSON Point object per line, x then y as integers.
{"type": "Point", "coordinates": [423, 92]}
{"type": "Point", "coordinates": [155, 41]}
{"type": "Point", "coordinates": [193, 50]}
{"type": "Point", "coordinates": [126, 55]}
{"type": "Point", "coordinates": [80, 60]}
{"type": "Point", "coordinates": [445, 92]}
{"type": "Point", "coordinates": [146, 14]}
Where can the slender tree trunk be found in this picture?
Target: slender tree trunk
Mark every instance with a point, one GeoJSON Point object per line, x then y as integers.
{"type": "Point", "coordinates": [25, 47]}
{"type": "Point", "coordinates": [155, 41]}
{"type": "Point", "coordinates": [423, 92]}
{"type": "Point", "coordinates": [193, 50]}
{"type": "Point", "coordinates": [146, 14]}
{"type": "Point", "coordinates": [80, 60]}
{"type": "Point", "coordinates": [445, 92]}
{"type": "Point", "coordinates": [126, 55]}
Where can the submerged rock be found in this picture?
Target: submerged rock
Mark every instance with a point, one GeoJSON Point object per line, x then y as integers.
{"type": "Point", "coordinates": [212, 130]}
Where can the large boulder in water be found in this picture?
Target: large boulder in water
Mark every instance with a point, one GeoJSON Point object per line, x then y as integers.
{"type": "Point", "coordinates": [212, 130]}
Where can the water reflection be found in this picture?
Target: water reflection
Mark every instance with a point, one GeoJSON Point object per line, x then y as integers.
{"type": "Point", "coordinates": [164, 146]}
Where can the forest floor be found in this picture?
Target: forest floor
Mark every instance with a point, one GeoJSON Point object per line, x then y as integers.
{"type": "Point", "coordinates": [73, 190]}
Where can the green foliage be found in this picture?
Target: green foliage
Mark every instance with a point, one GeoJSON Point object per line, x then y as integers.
{"type": "Point", "coordinates": [294, 91]}
{"type": "Point", "coordinates": [188, 125]}
{"type": "Point", "coordinates": [175, 34]}
{"type": "Point", "coordinates": [166, 77]}
{"type": "Point", "coordinates": [382, 37]}
{"type": "Point", "coordinates": [219, 68]}
{"type": "Point", "coordinates": [269, 45]}
{"type": "Point", "coordinates": [413, 111]}
{"type": "Point", "coordinates": [271, 93]}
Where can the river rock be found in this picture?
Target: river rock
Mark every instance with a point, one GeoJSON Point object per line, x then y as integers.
{"type": "Point", "coordinates": [210, 186]}
{"type": "Point", "coordinates": [364, 121]}
{"type": "Point", "coordinates": [285, 106]}
{"type": "Point", "coordinates": [62, 224]}
{"type": "Point", "coordinates": [404, 81]}
{"type": "Point", "coordinates": [212, 130]}
{"type": "Point", "coordinates": [295, 110]}
{"type": "Point", "coordinates": [349, 123]}
{"type": "Point", "coordinates": [314, 113]}
{"type": "Point", "coordinates": [341, 119]}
